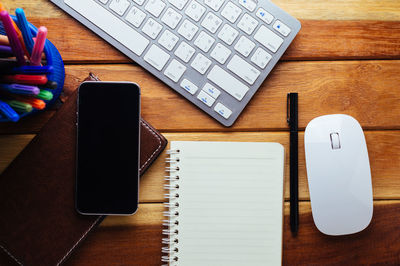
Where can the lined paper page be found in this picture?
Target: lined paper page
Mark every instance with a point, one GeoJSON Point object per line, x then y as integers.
{"type": "Point", "coordinates": [230, 203]}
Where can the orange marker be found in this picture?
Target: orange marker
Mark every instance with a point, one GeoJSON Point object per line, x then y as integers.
{"type": "Point", "coordinates": [19, 34]}
{"type": "Point", "coordinates": [35, 103]}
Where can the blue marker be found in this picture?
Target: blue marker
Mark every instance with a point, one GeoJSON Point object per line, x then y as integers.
{"type": "Point", "coordinates": [20, 89]}
{"type": "Point", "coordinates": [25, 30]}
{"type": "Point", "coordinates": [8, 112]}
{"type": "Point", "coordinates": [31, 70]}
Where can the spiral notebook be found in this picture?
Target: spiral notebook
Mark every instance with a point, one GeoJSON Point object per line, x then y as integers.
{"type": "Point", "coordinates": [225, 203]}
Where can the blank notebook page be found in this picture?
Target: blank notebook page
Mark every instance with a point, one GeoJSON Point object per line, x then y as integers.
{"type": "Point", "coordinates": [230, 203]}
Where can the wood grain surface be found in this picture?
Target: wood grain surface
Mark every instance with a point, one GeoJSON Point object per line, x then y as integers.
{"type": "Point", "coordinates": [383, 148]}
{"type": "Point", "coordinates": [346, 59]}
{"type": "Point", "coordinates": [357, 88]}
{"type": "Point", "coordinates": [330, 30]}
{"type": "Point", "coordinates": [332, 40]}
{"type": "Point", "coordinates": [136, 241]}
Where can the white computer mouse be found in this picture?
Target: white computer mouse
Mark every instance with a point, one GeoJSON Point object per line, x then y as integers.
{"type": "Point", "coordinates": [339, 174]}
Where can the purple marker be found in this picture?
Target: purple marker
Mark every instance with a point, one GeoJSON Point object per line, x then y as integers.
{"type": "Point", "coordinates": [16, 46]}
{"type": "Point", "coordinates": [20, 89]}
{"type": "Point", "coordinates": [5, 50]}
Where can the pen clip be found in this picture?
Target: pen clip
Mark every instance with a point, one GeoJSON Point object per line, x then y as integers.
{"type": "Point", "coordinates": [288, 108]}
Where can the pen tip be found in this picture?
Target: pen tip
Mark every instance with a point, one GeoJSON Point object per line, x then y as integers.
{"type": "Point", "coordinates": [43, 29]}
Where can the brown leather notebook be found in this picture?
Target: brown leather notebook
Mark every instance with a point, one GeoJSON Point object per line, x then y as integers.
{"type": "Point", "coordinates": [38, 221]}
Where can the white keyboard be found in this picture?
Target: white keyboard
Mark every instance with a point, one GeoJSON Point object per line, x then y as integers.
{"type": "Point", "coordinates": [215, 53]}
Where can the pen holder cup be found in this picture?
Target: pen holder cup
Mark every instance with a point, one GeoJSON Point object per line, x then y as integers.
{"type": "Point", "coordinates": [53, 58]}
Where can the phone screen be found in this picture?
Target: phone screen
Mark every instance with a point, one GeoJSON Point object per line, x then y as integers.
{"type": "Point", "coordinates": [107, 178]}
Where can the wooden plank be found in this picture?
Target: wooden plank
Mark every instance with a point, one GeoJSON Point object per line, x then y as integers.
{"type": "Point", "coordinates": [332, 40]}
{"type": "Point", "coordinates": [376, 245]}
{"type": "Point", "coordinates": [303, 9]}
{"type": "Point", "coordinates": [345, 30]}
{"type": "Point", "coordinates": [383, 147]}
{"type": "Point", "coordinates": [136, 240]}
{"type": "Point", "coordinates": [366, 90]}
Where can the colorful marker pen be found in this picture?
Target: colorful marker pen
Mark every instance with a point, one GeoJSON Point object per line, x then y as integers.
{"type": "Point", "coordinates": [20, 89]}
{"type": "Point", "coordinates": [8, 111]}
{"type": "Point", "coordinates": [36, 57]}
{"type": "Point", "coordinates": [13, 38]}
{"type": "Point", "coordinates": [20, 107]}
{"type": "Point", "coordinates": [45, 95]}
{"type": "Point", "coordinates": [25, 79]}
{"type": "Point", "coordinates": [35, 103]}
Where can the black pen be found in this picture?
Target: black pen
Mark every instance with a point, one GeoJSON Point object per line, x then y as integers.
{"type": "Point", "coordinates": [292, 119]}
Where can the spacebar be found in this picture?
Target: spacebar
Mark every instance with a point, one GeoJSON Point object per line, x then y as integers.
{"type": "Point", "coordinates": [110, 24]}
{"type": "Point", "coordinates": [227, 82]}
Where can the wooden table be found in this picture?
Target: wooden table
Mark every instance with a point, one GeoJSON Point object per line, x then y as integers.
{"type": "Point", "coordinates": [346, 59]}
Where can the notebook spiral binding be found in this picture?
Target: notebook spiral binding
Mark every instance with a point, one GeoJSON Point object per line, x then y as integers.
{"type": "Point", "coordinates": [171, 223]}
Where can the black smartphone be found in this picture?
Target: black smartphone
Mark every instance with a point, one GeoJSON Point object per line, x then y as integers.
{"type": "Point", "coordinates": [108, 138]}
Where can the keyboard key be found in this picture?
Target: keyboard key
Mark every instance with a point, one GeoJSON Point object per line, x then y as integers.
{"type": "Point", "coordinates": [247, 24]}
{"type": "Point", "coordinates": [211, 90]}
{"type": "Point", "coordinates": [168, 40]}
{"type": "Point", "coordinates": [175, 70]}
{"type": "Point", "coordinates": [119, 6]}
{"type": "Point", "coordinates": [248, 4]}
{"type": "Point", "coordinates": [243, 69]}
{"type": "Point", "coordinates": [228, 34]}
{"type": "Point", "coordinates": [184, 52]}
{"type": "Point", "coordinates": [205, 98]}
{"type": "Point", "coordinates": [214, 4]}
{"type": "Point", "coordinates": [155, 7]}
{"type": "Point", "coordinates": [135, 16]}
{"type": "Point", "coordinates": [231, 12]}
{"type": "Point", "coordinates": [222, 110]}
{"type": "Point", "coordinates": [139, 2]}
{"type": "Point", "coordinates": [201, 63]}
{"type": "Point", "coordinates": [171, 18]}
{"type": "Point", "coordinates": [264, 15]}
{"type": "Point", "coordinates": [211, 22]}
{"type": "Point", "coordinates": [187, 29]}
{"type": "Point", "coordinates": [179, 4]}
{"type": "Point", "coordinates": [227, 82]}
{"type": "Point", "coordinates": [104, 1]}
{"type": "Point", "coordinates": [244, 46]}
{"type": "Point", "coordinates": [156, 57]}
{"type": "Point", "coordinates": [269, 39]}
{"type": "Point", "coordinates": [111, 25]}
{"type": "Point", "coordinates": [152, 28]}
{"type": "Point", "coordinates": [204, 41]}
{"type": "Point", "coordinates": [261, 58]}
{"type": "Point", "coordinates": [189, 86]}
{"type": "Point", "coordinates": [220, 53]}
{"type": "Point", "coordinates": [195, 11]}
{"type": "Point", "coordinates": [281, 28]}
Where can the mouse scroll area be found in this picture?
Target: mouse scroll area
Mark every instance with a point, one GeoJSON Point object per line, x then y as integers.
{"type": "Point", "coordinates": [335, 141]}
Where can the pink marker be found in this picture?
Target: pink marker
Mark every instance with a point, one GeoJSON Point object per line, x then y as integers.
{"type": "Point", "coordinates": [13, 38]}
{"type": "Point", "coordinates": [36, 57]}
